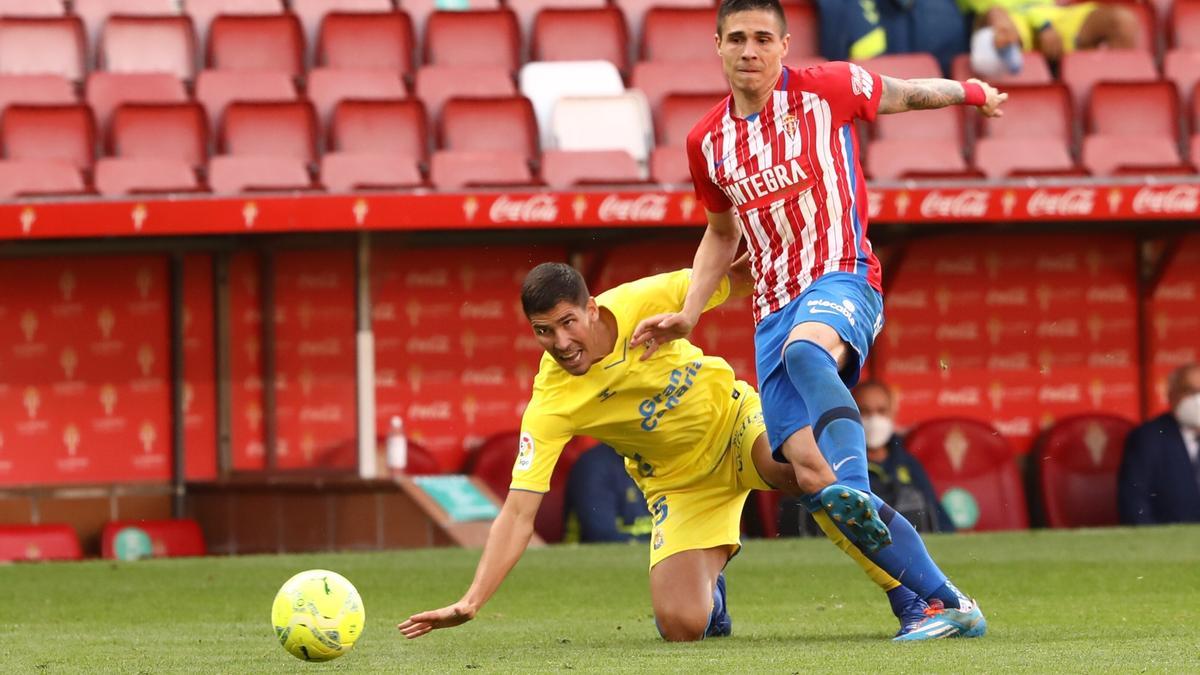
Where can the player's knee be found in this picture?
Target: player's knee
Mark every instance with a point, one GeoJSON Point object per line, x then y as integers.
{"type": "Point", "coordinates": [682, 625]}
{"type": "Point", "coordinates": [805, 358]}
{"type": "Point", "coordinates": [1126, 29]}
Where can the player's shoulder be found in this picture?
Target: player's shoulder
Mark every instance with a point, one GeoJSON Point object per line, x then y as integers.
{"type": "Point", "coordinates": [638, 289]}
{"type": "Point", "coordinates": [709, 122]}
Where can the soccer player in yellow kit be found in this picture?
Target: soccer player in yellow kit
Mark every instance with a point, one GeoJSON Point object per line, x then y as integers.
{"type": "Point", "coordinates": [692, 436]}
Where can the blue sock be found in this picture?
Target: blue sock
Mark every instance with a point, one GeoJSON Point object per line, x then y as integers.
{"type": "Point", "coordinates": [837, 425]}
{"type": "Point", "coordinates": [719, 623]}
{"type": "Point", "coordinates": [908, 561]}
{"type": "Point", "coordinates": [901, 598]}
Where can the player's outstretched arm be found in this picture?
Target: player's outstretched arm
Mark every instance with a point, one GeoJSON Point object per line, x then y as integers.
{"type": "Point", "coordinates": [713, 259]}
{"type": "Point", "coordinates": [926, 94]}
{"type": "Point", "coordinates": [507, 540]}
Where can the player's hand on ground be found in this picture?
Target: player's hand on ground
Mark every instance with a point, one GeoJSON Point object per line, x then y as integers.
{"type": "Point", "coordinates": [991, 107]}
{"type": "Point", "coordinates": [657, 330]}
{"type": "Point", "coordinates": [446, 617]}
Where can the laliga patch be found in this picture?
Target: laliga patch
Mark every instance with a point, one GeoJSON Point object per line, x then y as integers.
{"type": "Point", "coordinates": [525, 452]}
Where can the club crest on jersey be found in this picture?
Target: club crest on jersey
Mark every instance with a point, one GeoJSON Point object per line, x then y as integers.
{"type": "Point", "coordinates": [791, 124]}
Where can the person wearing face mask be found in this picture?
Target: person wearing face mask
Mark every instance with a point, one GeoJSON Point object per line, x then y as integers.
{"type": "Point", "coordinates": [896, 475]}
{"type": "Point", "coordinates": [1159, 480]}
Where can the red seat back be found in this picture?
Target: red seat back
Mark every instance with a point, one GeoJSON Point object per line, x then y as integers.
{"type": "Point", "coordinates": [380, 127]}
{"type": "Point", "coordinates": [1082, 69]}
{"type": "Point", "coordinates": [679, 113]}
{"type": "Point", "coordinates": [967, 455]}
{"type": "Point", "coordinates": [270, 129]}
{"type": "Point", "coordinates": [1032, 111]}
{"type": "Point", "coordinates": [489, 124]}
{"type": "Point", "coordinates": [35, 90]}
{"type": "Point", "coordinates": [437, 84]}
{"type": "Point", "coordinates": [367, 41]}
{"type": "Point", "coordinates": [561, 34]}
{"type": "Point", "coordinates": [173, 538]}
{"type": "Point", "coordinates": [216, 89]}
{"type": "Point", "coordinates": [43, 46]}
{"type": "Point", "coordinates": [328, 86]}
{"type": "Point", "coordinates": [1134, 109]}
{"type": "Point", "coordinates": [420, 461]}
{"type": "Point", "coordinates": [474, 38]}
{"type": "Point", "coordinates": [1185, 24]}
{"type": "Point", "coordinates": [39, 542]}
{"type": "Point", "coordinates": [680, 34]}
{"type": "Point", "coordinates": [1079, 458]}
{"type": "Point", "coordinates": [661, 79]}
{"type": "Point", "coordinates": [149, 44]}
{"type": "Point", "coordinates": [65, 132]}
{"type": "Point", "coordinates": [270, 42]}
{"type": "Point", "coordinates": [106, 91]}
{"type": "Point", "coordinates": [803, 24]}
{"type": "Point", "coordinates": [171, 131]}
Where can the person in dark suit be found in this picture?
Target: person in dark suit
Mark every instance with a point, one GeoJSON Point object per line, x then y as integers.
{"type": "Point", "coordinates": [1160, 470]}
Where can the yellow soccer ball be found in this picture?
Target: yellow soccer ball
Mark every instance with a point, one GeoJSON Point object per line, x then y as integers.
{"type": "Point", "coordinates": [318, 615]}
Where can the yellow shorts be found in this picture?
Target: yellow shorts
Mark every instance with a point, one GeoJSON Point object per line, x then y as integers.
{"type": "Point", "coordinates": [708, 513]}
{"type": "Point", "coordinates": [1066, 20]}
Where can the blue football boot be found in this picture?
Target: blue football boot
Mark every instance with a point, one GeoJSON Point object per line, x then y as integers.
{"type": "Point", "coordinates": [943, 622]}
{"type": "Point", "coordinates": [720, 624]}
{"type": "Point", "coordinates": [911, 615]}
{"type": "Point", "coordinates": [855, 512]}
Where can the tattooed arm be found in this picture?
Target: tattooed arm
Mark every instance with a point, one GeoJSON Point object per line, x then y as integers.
{"type": "Point", "coordinates": [927, 94]}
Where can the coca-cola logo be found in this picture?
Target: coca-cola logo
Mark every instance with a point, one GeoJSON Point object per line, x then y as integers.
{"type": "Point", "coordinates": [1066, 393]}
{"type": "Point", "coordinates": [965, 396]}
{"type": "Point", "coordinates": [965, 330]}
{"type": "Point", "coordinates": [1016, 361]}
{"type": "Point", "coordinates": [964, 204]}
{"type": "Point", "coordinates": [1066, 328]}
{"type": "Point", "coordinates": [912, 365]}
{"type": "Point", "coordinates": [1017, 426]}
{"type": "Point", "coordinates": [1171, 200]}
{"type": "Point", "coordinates": [914, 299]}
{"type": "Point", "coordinates": [1108, 294]}
{"type": "Point", "coordinates": [1072, 202]}
{"type": "Point", "coordinates": [542, 208]}
{"type": "Point", "coordinates": [648, 208]}
{"type": "Point", "coordinates": [437, 411]}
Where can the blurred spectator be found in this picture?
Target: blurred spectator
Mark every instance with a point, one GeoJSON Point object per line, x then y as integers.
{"type": "Point", "coordinates": [603, 502]}
{"type": "Point", "coordinates": [1160, 471]}
{"type": "Point", "coordinates": [1005, 28]}
{"type": "Point", "coordinates": [896, 476]}
{"type": "Point", "coordinates": [862, 29]}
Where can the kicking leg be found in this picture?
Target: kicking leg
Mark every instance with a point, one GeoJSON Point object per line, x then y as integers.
{"type": "Point", "coordinates": [906, 605]}
{"type": "Point", "coordinates": [688, 593]}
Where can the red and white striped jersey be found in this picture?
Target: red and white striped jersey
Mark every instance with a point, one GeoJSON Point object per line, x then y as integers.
{"type": "Point", "coordinates": [792, 174]}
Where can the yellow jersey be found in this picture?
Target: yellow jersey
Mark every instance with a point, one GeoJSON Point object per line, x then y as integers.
{"type": "Point", "coordinates": [669, 416]}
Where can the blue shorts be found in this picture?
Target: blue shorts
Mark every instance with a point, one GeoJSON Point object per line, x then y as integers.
{"type": "Point", "coordinates": [840, 300]}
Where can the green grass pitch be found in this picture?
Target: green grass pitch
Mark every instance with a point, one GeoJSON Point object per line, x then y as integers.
{"type": "Point", "coordinates": [1102, 600]}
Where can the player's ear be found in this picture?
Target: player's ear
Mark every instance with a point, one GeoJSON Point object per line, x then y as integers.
{"type": "Point", "coordinates": [717, 39]}
{"type": "Point", "coordinates": [593, 310]}
{"type": "Point", "coordinates": [787, 39]}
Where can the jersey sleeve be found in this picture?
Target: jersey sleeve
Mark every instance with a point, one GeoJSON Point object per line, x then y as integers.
{"type": "Point", "coordinates": [708, 192]}
{"type": "Point", "coordinates": [853, 92]}
{"type": "Point", "coordinates": [666, 292]}
{"type": "Point", "coordinates": [544, 433]}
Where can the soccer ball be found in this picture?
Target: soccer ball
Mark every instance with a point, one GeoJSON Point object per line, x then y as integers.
{"type": "Point", "coordinates": [318, 615]}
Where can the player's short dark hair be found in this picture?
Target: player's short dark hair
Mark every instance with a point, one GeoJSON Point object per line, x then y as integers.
{"type": "Point", "coordinates": [733, 6]}
{"type": "Point", "coordinates": [549, 284]}
{"type": "Point", "coordinates": [875, 384]}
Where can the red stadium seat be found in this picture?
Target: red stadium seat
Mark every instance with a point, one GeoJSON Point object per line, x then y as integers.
{"type": "Point", "coordinates": [767, 503]}
{"type": "Point", "coordinates": [803, 25]}
{"type": "Point", "coordinates": [679, 113]}
{"type": "Point", "coordinates": [895, 158]}
{"type": "Point", "coordinates": [168, 538]}
{"type": "Point", "coordinates": [421, 462]}
{"type": "Point", "coordinates": [476, 38]}
{"type": "Point", "coordinates": [669, 166]}
{"type": "Point", "coordinates": [95, 12]}
{"type": "Point", "coordinates": [348, 171]}
{"type": "Point", "coordinates": [32, 8]}
{"type": "Point", "coordinates": [66, 133]}
{"type": "Point", "coordinates": [149, 44]}
{"type": "Point", "coordinates": [39, 542]}
{"type": "Point", "coordinates": [203, 12]}
{"type": "Point", "coordinates": [216, 89]}
{"type": "Point", "coordinates": [1185, 24]}
{"type": "Point", "coordinates": [246, 173]}
{"type": "Point", "coordinates": [384, 127]}
{"type": "Point", "coordinates": [30, 177]}
{"type": "Point", "coordinates": [1083, 69]}
{"type": "Point", "coordinates": [1079, 458]}
{"type": "Point", "coordinates": [504, 124]}
{"type": "Point", "coordinates": [107, 91]}
{"type": "Point", "coordinates": [257, 43]}
{"type": "Point", "coordinates": [635, 12]}
{"type": "Point", "coordinates": [565, 169]}
{"type": "Point", "coordinates": [561, 34]}
{"type": "Point", "coordinates": [437, 84]}
{"type": "Point", "coordinates": [43, 46]}
{"type": "Point", "coordinates": [963, 455]}
{"type": "Point", "coordinates": [1132, 126]}
{"type": "Point", "coordinates": [1035, 70]}
{"type": "Point", "coordinates": [460, 169]}
{"type": "Point", "coordinates": [657, 80]}
{"type": "Point", "coordinates": [527, 10]}
{"type": "Point", "coordinates": [176, 132]}
{"type": "Point", "coordinates": [680, 34]}
{"type": "Point", "coordinates": [117, 176]}
{"type": "Point", "coordinates": [286, 129]}
{"type": "Point", "coordinates": [328, 86]}
{"type": "Point", "coordinates": [1034, 135]}
{"type": "Point", "coordinates": [313, 12]}
{"type": "Point", "coordinates": [904, 66]}
{"type": "Point", "coordinates": [35, 90]}
{"type": "Point", "coordinates": [367, 41]}
{"type": "Point", "coordinates": [493, 461]}
{"type": "Point", "coordinates": [1182, 66]}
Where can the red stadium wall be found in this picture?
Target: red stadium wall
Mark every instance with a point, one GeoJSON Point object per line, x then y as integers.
{"type": "Point", "coordinates": [1174, 318]}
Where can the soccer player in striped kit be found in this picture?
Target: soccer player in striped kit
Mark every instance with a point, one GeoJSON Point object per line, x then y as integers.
{"type": "Point", "coordinates": [777, 160]}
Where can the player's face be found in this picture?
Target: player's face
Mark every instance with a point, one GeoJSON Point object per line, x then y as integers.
{"type": "Point", "coordinates": [752, 47]}
{"type": "Point", "coordinates": [565, 332]}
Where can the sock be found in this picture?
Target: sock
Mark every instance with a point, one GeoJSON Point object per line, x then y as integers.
{"type": "Point", "coordinates": [837, 425]}
{"type": "Point", "coordinates": [718, 620]}
{"type": "Point", "coordinates": [901, 598]}
{"type": "Point", "coordinates": [908, 560]}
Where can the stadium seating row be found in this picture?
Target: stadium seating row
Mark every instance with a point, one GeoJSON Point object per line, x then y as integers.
{"type": "Point", "coordinates": [169, 538]}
